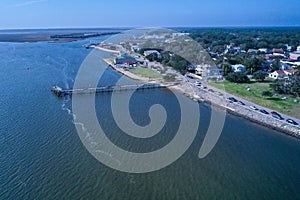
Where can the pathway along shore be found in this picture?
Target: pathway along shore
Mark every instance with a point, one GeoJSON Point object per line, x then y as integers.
{"type": "Point", "coordinates": [220, 100]}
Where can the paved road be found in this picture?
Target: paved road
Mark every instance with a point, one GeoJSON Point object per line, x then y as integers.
{"type": "Point", "coordinates": [247, 103]}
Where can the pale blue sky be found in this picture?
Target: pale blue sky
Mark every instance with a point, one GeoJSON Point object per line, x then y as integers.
{"type": "Point", "coordinates": [139, 13]}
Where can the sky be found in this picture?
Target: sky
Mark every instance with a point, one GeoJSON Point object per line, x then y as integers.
{"type": "Point", "coordinates": [17, 14]}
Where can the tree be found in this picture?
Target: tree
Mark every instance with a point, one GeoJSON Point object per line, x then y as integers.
{"type": "Point", "coordinates": [290, 85]}
{"type": "Point", "coordinates": [275, 65]}
{"type": "Point", "coordinates": [237, 77]}
{"type": "Point", "coordinates": [226, 69]}
{"type": "Point", "coordinates": [295, 84]}
{"type": "Point", "coordinates": [267, 93]}
{"type": "Point", "coordinates": [253, 65]}
{"type": "Point", "coordinates": [153, 57]}
{"type": "Point", "coordinates": [259, 76]}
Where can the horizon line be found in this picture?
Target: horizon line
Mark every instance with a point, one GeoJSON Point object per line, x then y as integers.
{"type": "Point", "coordinates": [169, 27]}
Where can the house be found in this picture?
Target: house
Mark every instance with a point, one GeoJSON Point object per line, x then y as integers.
{"type": "Point", "coordinates": [149, 52]}
{"type": "Point", "coordinates": [263, 50]}
{"type": "Point", "coordinates": [279, 74]}
{"type": "Point", "coordinates": [273, 57]}
{"type": "Point", "coordinates": [292, 63]}
{"type": "Point", "coordinates": [252, 51]}
{"type": "Point", "coordinates": [295, 55]}
{"type": "Point", "coordinates": [238, 68]}
{"type": "Point", "coordinates": [135, 48]}
{"type": "Point", "coordinates": [288, 47]}
{"type": "Point", "coordinates": [179, 34]}
{"type": "Point", "coordinates": [278, 51]}
{"type": "Point", "coordinates": [298, 48]}
{"type": "Point", "coordinates": [125, 60]}
{"type": "Point", "coordinates": [208, 72]}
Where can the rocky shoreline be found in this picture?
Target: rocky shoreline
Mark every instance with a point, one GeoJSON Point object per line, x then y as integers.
{"type": "Point", "coordinates": [246, 113]}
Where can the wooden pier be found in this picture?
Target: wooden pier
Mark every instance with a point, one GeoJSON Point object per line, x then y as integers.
{"type": "Point", "coordinates": [106, 89]}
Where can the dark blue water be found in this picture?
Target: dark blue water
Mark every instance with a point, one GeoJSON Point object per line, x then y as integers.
{"type": "Point", "coordinates": [42, 157]}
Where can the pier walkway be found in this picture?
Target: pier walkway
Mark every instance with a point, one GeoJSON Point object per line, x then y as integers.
{"type": "Point", "coordinates": [107, 89]}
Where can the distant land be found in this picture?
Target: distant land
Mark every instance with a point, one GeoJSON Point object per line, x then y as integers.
{"type": "Point", "coordinates": [73, 34]}
{"type": "Point", "coordinates": [54, 35]}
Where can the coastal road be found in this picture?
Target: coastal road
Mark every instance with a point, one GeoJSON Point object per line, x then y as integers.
{"type": "Point", "coordinates": [247, 105]}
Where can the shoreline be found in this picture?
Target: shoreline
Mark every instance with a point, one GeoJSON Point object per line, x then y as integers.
{"type": "Point", "coordinates": [104, 49]}
{"type": "Point", "coordinates": [200, 95]}
{"type": "Point", "coordinates": [126, 73]}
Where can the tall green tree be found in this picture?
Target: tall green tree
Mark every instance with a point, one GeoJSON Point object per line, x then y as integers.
{"type": "Point", "coordinates": [237, 77]}
{"type": "Point", "coordinates": [275, 65]}
{"type": "Point", "coordinates": [226, 69]}
{"type": "Point", "coordinates": [290, 85]}
{"type": "Point", "coordinates": [259, 75]}
{"type": "Point", "coordinates": [253, 65]}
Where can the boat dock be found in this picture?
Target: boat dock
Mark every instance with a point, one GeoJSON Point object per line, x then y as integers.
{"type": "Point", "coordinates": [105, 89]}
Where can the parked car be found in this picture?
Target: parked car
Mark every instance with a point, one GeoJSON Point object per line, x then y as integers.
{"type": "Point", "coordinates": [274, 113]}
{"type": "Point", "coordinates": [253, 107]}
{"type": "Point", "coordinates": [232, 99]}
{"type": "Point", "coordinates": [264, 111]}
{"type": "Point", "coordinates": [277, 116]}
{"type": "Point", "coordinates": [242, 103]}
{"type": "Point", "coordinates": [292, 122]}
{"type": "Point", "coordinates": [198, 83]}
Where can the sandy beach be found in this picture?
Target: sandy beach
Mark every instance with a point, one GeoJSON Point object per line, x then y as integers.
{"type": "Point", "coordinates": [104, 49]}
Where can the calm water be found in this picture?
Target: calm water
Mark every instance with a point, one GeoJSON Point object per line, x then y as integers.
{"type": "Point", "coordinates": [42, 157]}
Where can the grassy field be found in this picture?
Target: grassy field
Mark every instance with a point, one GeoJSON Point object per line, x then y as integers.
{"type": "Point", "coordinates": [253, 92]}
{"type": "Point", "coordinates": [145, 72]}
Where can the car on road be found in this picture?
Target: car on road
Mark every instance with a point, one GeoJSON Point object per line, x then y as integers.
{"type": "Point", "coordinates": [253, 107]}
{"type": "Point", "coordinates": [242, 103]}
{"type": "Point", "coordinates": [220, 94]}
{"type": "Point", "coordinates": [274, 113]}
{"type": "Point", "coordinates": [292, 122]}
{"type": "Point", "coordinates": [198, 83]}
{"type": "Point", "coordinates": [264, 111]}
{"type": "Point", "coordinates": [232, 99]}
{"type": "Point", "coordinates": [277, 116]}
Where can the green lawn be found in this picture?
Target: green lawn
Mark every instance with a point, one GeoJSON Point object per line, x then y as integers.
{"type": "Point", "coordinates": [145, 72]}
{"type": "Point", "coordinates": [254, 94]}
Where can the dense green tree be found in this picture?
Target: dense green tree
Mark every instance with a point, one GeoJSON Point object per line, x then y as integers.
{"type": "Point", "coordinates": [290, 85]}
{"type": "Point", "coordinates": [253, 65]}
{"type": "Point", "coordinates": [259, 75]}
{"type": "Point", "coordinates": [154, 57]}
{"type": "Point", "coordinates": [246, 38]}
{"type": "Point", "coordinates": [237, 77]}
{"type": "Point", "coordinates": [267, 93]}
{"type": "Point", "coordinates": [295, 84]}
{"type": "Point", "coordinates": [275, 65]}
{"type": "Point", "coordinates": [226, 69]}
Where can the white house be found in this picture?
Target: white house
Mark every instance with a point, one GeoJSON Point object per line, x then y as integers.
{"type": "Point", "coordinates": [263, 50]}
{"type": "Point", "coordinates": [279, 74]}
{"type": "Point", "coordinates": [238, 68]}
{"type": "Point", "coordinates": [207, 72]}
{"type": "Point", "coordinates": [149, 52]}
